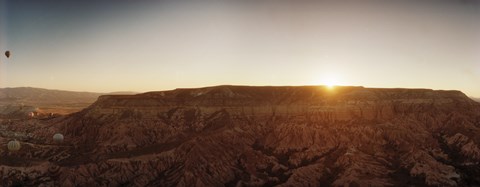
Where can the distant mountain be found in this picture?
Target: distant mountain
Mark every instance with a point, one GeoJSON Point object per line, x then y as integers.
{"type": "Point", "coordinates": [40, 95]}
{"type": "Point", "coordinates": [475, 99]}
{"type": "Point", "coordinates": [56, 101]}
{"type": "Point", "coordinates": [122, 93]}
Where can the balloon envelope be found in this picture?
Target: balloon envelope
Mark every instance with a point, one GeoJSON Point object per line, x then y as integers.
{"type": "Point", "coordinates": [58, 137]}
{"type": "Point", "coordinates": [7, 53]}
{"type": "Point", "coordinates": [13, 145]}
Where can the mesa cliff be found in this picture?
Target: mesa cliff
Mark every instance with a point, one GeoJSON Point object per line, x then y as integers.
{"type": "Point", "coordinates": [255, 136]}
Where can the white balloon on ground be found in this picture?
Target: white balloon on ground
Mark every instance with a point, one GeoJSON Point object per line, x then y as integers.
{"type": "Point", "coordinates": [13, 145]}
{"type": "Point", "coordinates": [58, 138]}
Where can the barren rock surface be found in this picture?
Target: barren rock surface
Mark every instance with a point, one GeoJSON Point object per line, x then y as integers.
{"type": "Point", "coordinates": [253, 136]}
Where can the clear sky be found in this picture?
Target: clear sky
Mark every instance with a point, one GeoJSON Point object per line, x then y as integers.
{"type": "Point", "coordinates": [105, 46]}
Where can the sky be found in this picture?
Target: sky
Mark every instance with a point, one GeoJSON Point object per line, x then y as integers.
{"type": "Point", "coordinates": [106, 46]}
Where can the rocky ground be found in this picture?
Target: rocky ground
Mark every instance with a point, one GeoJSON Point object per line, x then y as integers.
{"type": "Point", "coordinates": [253, 136]}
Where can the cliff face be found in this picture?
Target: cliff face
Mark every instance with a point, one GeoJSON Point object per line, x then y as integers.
{"type": "Point", "coordinates": [254, 136]}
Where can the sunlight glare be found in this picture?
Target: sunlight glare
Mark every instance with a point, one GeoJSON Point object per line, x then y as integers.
{"type": "Point", "coordinates": [330, 81]}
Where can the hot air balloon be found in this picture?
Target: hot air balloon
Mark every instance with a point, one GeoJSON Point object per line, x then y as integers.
{"type": "Point", "coordinates": [13, 145]}
{"type": "Point", "coordinates": [58, 138]}
{"type": "Point", "coordinates": [7, 54]}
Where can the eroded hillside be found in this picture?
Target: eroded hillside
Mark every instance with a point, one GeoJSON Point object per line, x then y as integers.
{"type": "Point", "coordinates": [255, 136]}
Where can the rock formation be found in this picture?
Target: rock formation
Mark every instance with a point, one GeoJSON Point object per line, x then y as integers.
{"type": "Point", "coordinates": [253, 136]}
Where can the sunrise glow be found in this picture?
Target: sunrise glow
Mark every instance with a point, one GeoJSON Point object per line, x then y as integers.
{"type": "Point", "coordinates": [329, 80]}
{"type": "Point", "coordinates": [155, 45]}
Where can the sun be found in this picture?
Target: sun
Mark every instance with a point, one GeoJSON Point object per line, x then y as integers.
{"type": "Point", "coordinates": [330, 81]}
{"type": "Point", "coordinates": [330, 85]}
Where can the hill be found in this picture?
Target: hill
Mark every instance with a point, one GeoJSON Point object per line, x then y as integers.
{"type": "Point", "coordinates": [476, 99]}
{"type": "Point", "coordinates": [23, 99]}
{"type": "Point", "coordinates": [257, 136]}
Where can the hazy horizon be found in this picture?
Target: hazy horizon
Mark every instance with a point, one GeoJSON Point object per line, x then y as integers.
{"type": "Point", "coordinates": [108, 46]}
{"type": "Point", "coordinates": [139, 92]}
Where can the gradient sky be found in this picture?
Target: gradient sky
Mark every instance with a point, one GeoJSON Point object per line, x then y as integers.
{"type": "Point", "coordinates": [105, 46]}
